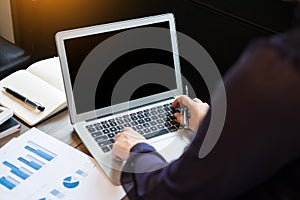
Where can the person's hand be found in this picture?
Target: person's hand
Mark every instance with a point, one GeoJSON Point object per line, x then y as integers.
{"type": "Point", "coordinates": [197, 108]}
{"type": "Point", "coordinates": [124, 141]}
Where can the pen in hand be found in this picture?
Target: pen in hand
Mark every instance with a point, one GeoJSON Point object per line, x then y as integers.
{"type": "Point", "coordinates": [186, 112]}
{"type": "Point", "coordinates": [29, 102]}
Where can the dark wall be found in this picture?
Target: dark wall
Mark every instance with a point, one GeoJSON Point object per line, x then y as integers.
{"type": "Point", "coordinates": [36, 22]}
{"type": "Point", "coordinates": [223, 28]}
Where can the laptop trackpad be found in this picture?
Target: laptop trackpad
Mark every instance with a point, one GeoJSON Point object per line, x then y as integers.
{"type": "Point", "coordinates": [171, 148]}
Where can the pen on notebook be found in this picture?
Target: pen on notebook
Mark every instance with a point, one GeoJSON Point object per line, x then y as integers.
{"type": "Point", "coordinates": [185, 111]}
{"type": "Point", "coordinates": [24, 99]}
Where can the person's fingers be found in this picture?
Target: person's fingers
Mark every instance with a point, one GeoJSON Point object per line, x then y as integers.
{"type": "Point", "coordinates": [183, 100]}
{"type": "Point", "coordinates": [117, 136]}
{"type": "Point", "coordinates": [176, 103]}
{"type": "Point", "coordinates": [186, 101]}
{"type": "Point", "coordinates": [127, 129]}
{"type": "Point", "coordinates": [119, 153]}
{"type": "Point", "coordinates": [129, 132]}
{"type": "Point", "coordinates": [197, 100]}
{"type": "Point", "coordinates": [205, 104]}
{"type": "Point", "coordinates": [178, 117]}
{"type": "Point", "coordinates": [137, 135]}
{"type": "Point", "coordinates": [115, 152]}
{"type": "Point", "coordinates": [124, 141]}
{"type": "Point", "coordinates": [115, 148]}
{"type": "Point", "coordinates": [123, 133]}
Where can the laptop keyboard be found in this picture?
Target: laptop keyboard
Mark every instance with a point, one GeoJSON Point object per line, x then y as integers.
{"type": "Point", "coordinates": [150, 123]}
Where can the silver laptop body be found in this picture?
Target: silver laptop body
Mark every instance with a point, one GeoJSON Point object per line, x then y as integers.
{"type": "Point", "coordinates": [120, 74]}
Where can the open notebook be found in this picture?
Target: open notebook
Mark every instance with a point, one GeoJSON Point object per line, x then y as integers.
{"type": "Point", "coordinates": [41, 82]}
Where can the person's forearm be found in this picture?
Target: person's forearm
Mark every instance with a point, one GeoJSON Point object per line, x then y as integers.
{"type": "Point", "coordinates": [143, 161]}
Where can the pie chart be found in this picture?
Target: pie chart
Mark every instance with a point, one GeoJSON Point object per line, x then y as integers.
{"type": "Point", "coordinates": [69, 183]}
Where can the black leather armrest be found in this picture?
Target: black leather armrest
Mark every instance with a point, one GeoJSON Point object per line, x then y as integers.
{"type": "Point", "coordinates": [12, 58]}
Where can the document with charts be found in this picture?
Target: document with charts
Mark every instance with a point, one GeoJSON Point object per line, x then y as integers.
{"type": "Point", "coordinates": [38, 166]}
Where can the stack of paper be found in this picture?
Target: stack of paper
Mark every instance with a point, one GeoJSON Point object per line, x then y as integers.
{"type": "Point", "coordinates": [38, 166]}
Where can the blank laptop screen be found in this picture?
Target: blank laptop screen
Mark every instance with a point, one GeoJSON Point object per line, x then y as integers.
{"type": "Point", "coordinates": [77, 49]}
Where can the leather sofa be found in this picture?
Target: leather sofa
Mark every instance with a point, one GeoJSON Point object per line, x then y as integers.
{"type": "Point", "coordinates": [12, 58]}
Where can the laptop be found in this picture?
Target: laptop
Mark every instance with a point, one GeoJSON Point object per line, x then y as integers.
{"type": "Point", "coordinates": [123, 74]}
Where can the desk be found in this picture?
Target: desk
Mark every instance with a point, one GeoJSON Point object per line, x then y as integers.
{"type": "Point", "coordinates": [58, 126]}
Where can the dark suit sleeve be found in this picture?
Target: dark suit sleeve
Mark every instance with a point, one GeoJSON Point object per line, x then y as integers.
{"type": "Point", "coordinates": [261, 133]}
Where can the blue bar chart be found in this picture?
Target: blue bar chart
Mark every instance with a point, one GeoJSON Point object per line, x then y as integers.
{"type": "Point", "coordinates": [32, 162]}
{"type": "Point", "coordinates": [57, 193]}
{"type": "Point", "coordinates": [21, 172]}
{"type": "Point", "coordinates": [9, 182]}
{"type": "Point", "coordinates": [40, 151]}
{"type": "Point", "coordinates": [81, 173]}
{"type": "Point", "coordinates": [32, 159]}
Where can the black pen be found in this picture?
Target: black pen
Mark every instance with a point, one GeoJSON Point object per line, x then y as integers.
{"type": "Point", "coordinates": [185, 111]}
{"type": "Point", "coordinates": [33, 104]}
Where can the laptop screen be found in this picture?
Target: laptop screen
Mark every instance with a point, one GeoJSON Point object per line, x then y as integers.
{"type": "Point", "coordinates": [79, 49]}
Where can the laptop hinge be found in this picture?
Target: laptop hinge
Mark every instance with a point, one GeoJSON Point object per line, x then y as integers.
{"type": "Point", "coordinates": [133, 108]}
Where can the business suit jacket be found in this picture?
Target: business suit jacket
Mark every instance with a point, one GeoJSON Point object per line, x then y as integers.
{"type": "Point", "coordinates": [261, 132]}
